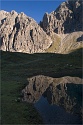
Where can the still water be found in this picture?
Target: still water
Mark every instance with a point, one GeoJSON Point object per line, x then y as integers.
{"type": "Point", "coordinates": [58, 100]}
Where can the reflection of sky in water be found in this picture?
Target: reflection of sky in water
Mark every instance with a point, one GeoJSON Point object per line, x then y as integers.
{"type": "Point", "coordinates": [56, 101]}
{"type": "Point", "coordinates": [55, 114]}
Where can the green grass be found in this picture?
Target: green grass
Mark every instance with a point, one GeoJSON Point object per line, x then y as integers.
{"type": "Point", "coordinates": [17, 67]}
{"type": "Point", "coordinates": [55, 44]}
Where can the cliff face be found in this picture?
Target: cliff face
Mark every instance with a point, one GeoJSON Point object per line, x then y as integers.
{"type": "Point", "coordinates": [58, 32]}
{"type": "Point", "coordinates": [66, 18]}
{"type": "Point", "coordinates": [22, 34]}
{"type": "Point", "coordinates": [64, 26]}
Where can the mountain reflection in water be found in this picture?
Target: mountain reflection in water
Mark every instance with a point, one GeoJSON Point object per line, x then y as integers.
{"type": "Point", "coordinates": [58, 100]}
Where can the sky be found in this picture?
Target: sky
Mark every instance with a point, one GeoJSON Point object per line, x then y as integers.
{"type": "Point", "coordinates": [32, 8]}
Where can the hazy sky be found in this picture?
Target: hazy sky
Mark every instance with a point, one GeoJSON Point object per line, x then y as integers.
{"type": "Point", "coordinates": [32, 8]}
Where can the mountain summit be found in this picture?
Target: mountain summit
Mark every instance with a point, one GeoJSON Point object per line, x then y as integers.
{"type": "Point", "coordinates": [58, 32]}
{"type": "Point", "coordinates": [66, 18]}
{"type": "Point", "coordinates": [64, 26]}
{"type": "Point", "coordinates": [20, 33]}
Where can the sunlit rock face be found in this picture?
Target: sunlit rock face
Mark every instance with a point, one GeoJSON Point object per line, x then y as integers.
{"type": "Point", "coordinates": [64, 26]}
{"type": "Point", "coordinates": [20, 33]}
{"type": "Point", "coordinates": [58, 32]}
{"type": "Point", "coordinates": [66, 18]}
{"type": "Point", "coordinates": [62, 91]}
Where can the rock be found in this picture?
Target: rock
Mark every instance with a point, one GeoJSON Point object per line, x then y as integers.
{"type": "Point", "coordinates": [66, 18]}
{"type": "Point", "coordinates": [58, 32]}
{"type": "Point", "coordinates": [20, 33]}
{"type": "Point", "coordinates": [64, 26]}
{"type": "Point", "coordinates": [71, 43]}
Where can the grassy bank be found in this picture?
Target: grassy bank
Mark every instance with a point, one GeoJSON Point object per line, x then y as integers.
{"type": "Point", "coordinates": [17, 67]}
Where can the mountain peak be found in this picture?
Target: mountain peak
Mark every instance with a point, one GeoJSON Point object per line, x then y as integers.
{"type": "Point", "coordinates": [22, 34]}
{"type": "Point", "coordinates": [65, 19]}
{"type": "Point", "coordinates": [60, 31]}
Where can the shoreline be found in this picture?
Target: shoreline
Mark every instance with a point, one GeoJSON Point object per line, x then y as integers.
{"type": "Point", "coordinates": [55, 74]}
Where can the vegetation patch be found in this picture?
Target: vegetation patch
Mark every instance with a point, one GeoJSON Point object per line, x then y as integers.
{"type": "Point", "coordinates": [55, 45]}
{"type": "Point", "coordinates": [17, 67]}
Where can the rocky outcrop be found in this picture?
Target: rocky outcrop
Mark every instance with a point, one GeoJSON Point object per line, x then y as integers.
{"type": "Point", "coordinates": [66, 18]}
{"type": "Point", "coordinates": [66, 43]}
{"type": "Point", "coordinates": [57, 91]}
{"type": "Point", "coordinates": [64, 26]}
{"type": "Point", "coordinates": [71, 42]}
{"type": "Point", "coordinates": [60, 31]}
{"type": "Point", "coordinates": [20, 33]}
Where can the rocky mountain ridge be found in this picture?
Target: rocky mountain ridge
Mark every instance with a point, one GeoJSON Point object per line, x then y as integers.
{"type": "Point", "coordinates": [20, 33]}
{"type": "Point", "coordinates": [58, 32]}
{"type": "Point", "coordinates": [64, 26]}
{"type": "Point", "coordinates": [65, 19]}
